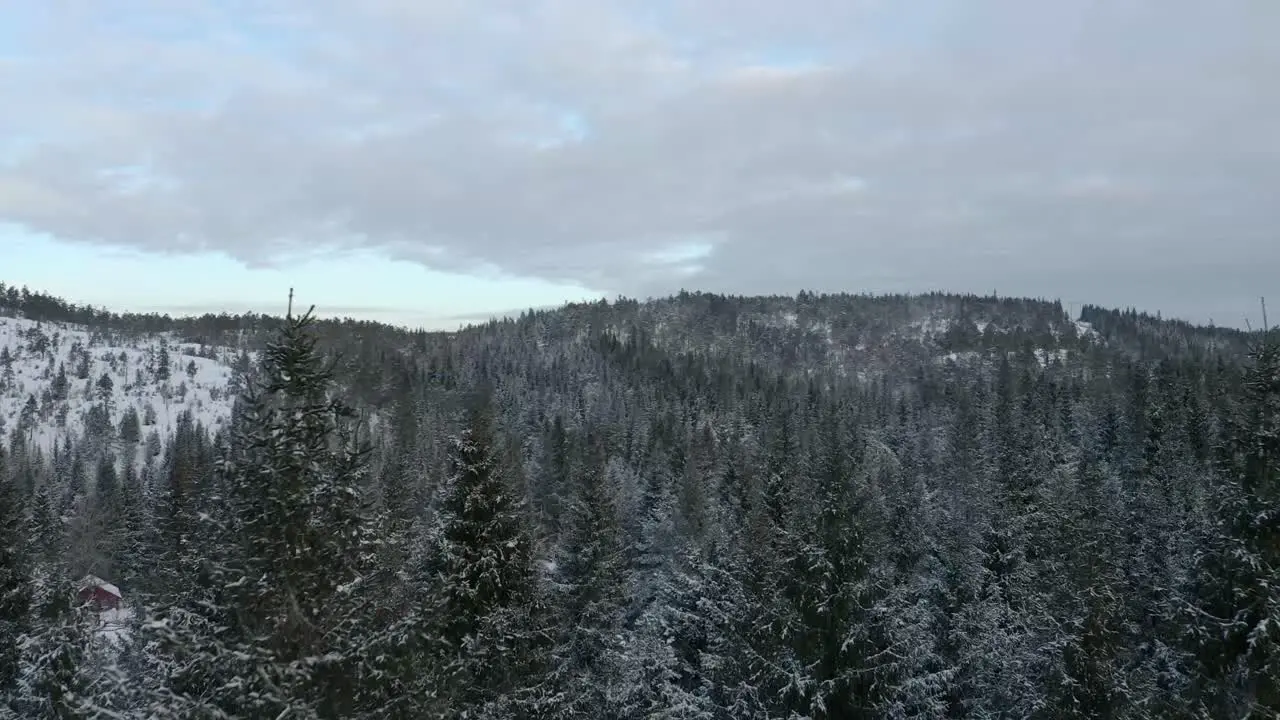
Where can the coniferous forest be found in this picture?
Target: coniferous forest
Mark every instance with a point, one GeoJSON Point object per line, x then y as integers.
{"type": "Point", "coordinates": [700, 507]}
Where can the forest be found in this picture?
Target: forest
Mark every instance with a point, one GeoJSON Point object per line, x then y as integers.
{"type": "Point", "coordinates": [699, 507]}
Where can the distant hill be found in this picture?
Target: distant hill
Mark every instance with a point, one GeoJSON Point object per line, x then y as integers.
{"type": "Point", "coordinates": [54, 354]}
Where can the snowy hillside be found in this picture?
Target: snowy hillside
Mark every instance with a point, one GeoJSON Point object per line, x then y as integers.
{"type": "Point", "coordinates": [56, 380]}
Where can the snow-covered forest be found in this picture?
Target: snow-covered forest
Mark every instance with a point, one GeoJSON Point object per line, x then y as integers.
{"type": "Point", "coordinates": [699, 507]}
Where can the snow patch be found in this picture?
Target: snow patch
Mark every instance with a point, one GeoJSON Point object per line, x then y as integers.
{"type": "Point", "coordinates": [1084, 329]}
{"type": "Point", "coordinates": [1045, 357]}
{"type": "Point", "coordinates": [113, 625]}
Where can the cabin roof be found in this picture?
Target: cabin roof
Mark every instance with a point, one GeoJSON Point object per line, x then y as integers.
{"type": "Point", "coordinates": [93, 581]}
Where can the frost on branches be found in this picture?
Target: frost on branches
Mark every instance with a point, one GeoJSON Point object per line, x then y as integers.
{"type": "Point", "coordinates": [266, 629]}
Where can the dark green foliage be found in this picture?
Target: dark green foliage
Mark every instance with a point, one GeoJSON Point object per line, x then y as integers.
{"type": "Point", "coordinates": [589, 579]}
{"type": "Point", "coordinates": [105, 389]}
{"type": "Point", "coordinates": [55, 651]}
{"type": "Point", "coordinates": [1236, 616]}
{"type": "Point", "coordinates": [827, 506]}
{"type": "Point", "coordinates": [130, 426]}
{"type": "Point", "coordinates": [60, 385]}
{"type": "Point", "coordinates": [277, 593]}
{"type": "Point", "coordinates": [15, 581]}
{"type": "Point", "coordinates": [485, 616]}
{"type": "Point", "coordinates": [162, 368]}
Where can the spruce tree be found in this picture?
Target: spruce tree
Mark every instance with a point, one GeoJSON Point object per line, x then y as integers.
{"type": "Point", "coordinates": [15, 585]}
{"type": "Point", "coordinates": [485, 617]}
{"type": "Point", "coordinates": [1087, 680]}
{"type": "Point", "coordinates": [280, 594]}
{"type": "Point", "coordinates": [588, 576]}
{"type": "Point", "coordinates": [131, 426]}
{"type": "Point", "coordinates": [56, 682]}
{"type": "Point", "coordinates": [835, 587]}
{"type": "Point", "coordinates": [756, 668]}
{"type": "Point", "coordinates": [1236, 616]}
{"type": "Point", "coordinates": [163, 369]}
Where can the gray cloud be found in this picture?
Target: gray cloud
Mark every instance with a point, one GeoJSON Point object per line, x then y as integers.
{"type": "Point", "coordinates": [1113, 152]}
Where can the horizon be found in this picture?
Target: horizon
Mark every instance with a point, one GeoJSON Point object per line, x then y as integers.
{"type": "Point", "coordinates": [418, 163]}
{"type": "Point", "coordinates": [462, 322]}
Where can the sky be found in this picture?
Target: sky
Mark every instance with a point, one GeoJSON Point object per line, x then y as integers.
{"type": "Point", "coordinates": [430, 162]}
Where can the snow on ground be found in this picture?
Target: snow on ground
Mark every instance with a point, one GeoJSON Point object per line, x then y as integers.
{"type": "Point", "coordinates": [933, 325]}
{"type": "Point", "coordinates": [1047, 356]}
{"type": "Point", "coordinates": [32, 354]}
{"type": "Point", "coordinates": [1084, 329]}
{"type": "Point", "coordinates": [113, 625]}
{"type": "Point", "coordinates": [958, 357]}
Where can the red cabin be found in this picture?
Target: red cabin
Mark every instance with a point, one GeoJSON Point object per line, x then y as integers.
{"type": "Point", "coordinates": [99, 594]}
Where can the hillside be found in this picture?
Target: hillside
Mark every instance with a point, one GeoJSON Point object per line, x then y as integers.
{"type": "Point", "coordinates": [60, 382]}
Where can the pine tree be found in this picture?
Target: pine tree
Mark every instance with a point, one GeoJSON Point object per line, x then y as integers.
{"type": "Point", "coordinates": [919, 676]}
{"type": "Point", "coordinates": [131, 561]}
{"type": "Point", "coordinates": [83, 367]}
{"type": "Point", "coordinates": [28, 416]}
{"type": "Point", "coordinates": [671, 644]}
{"type": "Point", "coordinates": [184, 483]}
{"type": "Point", "coordinates": [834, 581]}
{"type": "Point", "coordinates": [1088, 680]}
{"type": "Point", "coordinates": [555, 480]}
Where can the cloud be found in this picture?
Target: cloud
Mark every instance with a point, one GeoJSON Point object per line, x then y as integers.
{"type": "Point", "coordinates": [1102, 151]}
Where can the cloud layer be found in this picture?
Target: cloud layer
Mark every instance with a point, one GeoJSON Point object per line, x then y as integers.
{"type": "Point", "coordinates": [1118, 152]}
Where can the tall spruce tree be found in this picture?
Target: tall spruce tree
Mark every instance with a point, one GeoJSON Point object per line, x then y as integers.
{"type": "Point", "coordinates": [589, 575]}
{"type": "Point", "coordinates": [56, 680]}
{"type": "Point", "coordinates": [15, 581]}
{"type": "Point", "coordinates": [1236, 618]}
{"type": "Point", "coordinates": [269, 633]}
{"type": "Point", "coordinates": [485, 620]}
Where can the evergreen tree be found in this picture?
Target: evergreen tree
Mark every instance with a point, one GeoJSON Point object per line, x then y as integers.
{"type": "Point", "coordinates": [56, 681]}
{"type": "Point", "coordinates": [295, 544]}
{"type": "Point", "coordinates": [485, 617]}
{"type": "Point", "coordinates": [163, 364]}
{"type": "Point", "coordinates": [1089, 680]}
{"type": "Point", "coordinates": [589, 577]}
{"type": "Point", "coordinates": [15, 585]}
{"type": "Point", "coordinates": [83, 368]}
{"type": "Point", "coordinates": [1237, 596]}
{"type": "Point", "coordinates": [130, 426]}
{"type": "Point", "coordinates": [757, 670]}
{"type": "Point", "coordinates": [60, 385]}
{"type": "Point", "coordinates": [131, 562]}
{"type": "Point", "coordinates": [105, 387]}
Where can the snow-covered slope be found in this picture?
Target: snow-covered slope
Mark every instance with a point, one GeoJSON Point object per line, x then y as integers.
{"type": "Point", "coordinates": [52, 374]}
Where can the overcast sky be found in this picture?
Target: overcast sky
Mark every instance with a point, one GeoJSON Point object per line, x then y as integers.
{"type": "Point", "coordinates": [417, 160]}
